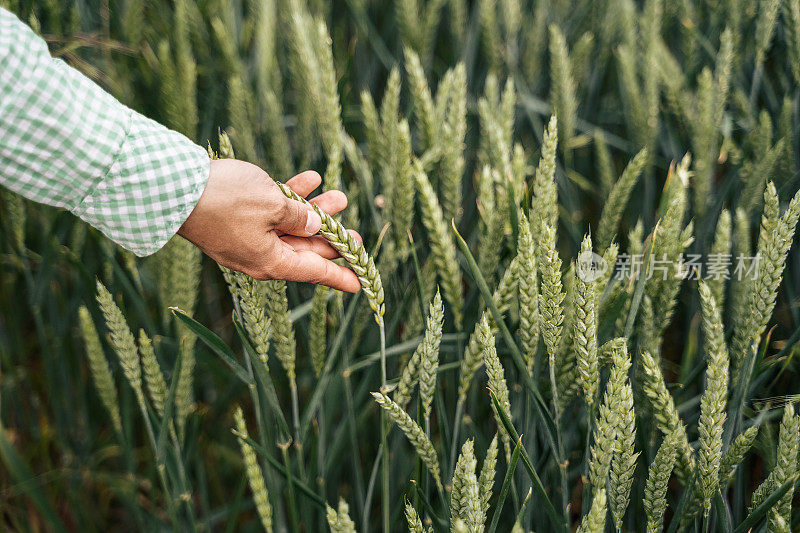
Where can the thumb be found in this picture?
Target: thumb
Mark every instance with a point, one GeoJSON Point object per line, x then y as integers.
{"type": "Point", "coordinates": [298, 219]}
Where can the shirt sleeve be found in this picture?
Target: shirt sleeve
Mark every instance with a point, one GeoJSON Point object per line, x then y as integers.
{"type": "Point", "coordinates": [67, 143]}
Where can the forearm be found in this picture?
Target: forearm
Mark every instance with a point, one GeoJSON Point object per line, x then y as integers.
{"type": "Point", "coordinates": [67, 143]}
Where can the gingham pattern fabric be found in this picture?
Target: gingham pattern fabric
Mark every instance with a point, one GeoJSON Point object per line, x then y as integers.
{"type": "Point", "coordinates": [67, 143]}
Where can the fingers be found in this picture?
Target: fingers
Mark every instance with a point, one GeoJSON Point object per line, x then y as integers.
{"type": "Point", "coordinates": [308, 266]}
{"type": "Point", "coordinates": [331, 202]}
{"type": "Point", "coordinates": [304, 183]}
{"type": "Point", "coordinates": [315, 244]}
{"type": "Point", "coordinates": [298, 219]}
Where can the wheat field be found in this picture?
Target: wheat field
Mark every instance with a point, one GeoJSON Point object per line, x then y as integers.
{"type": "Point", "coordinates": [579, 305]}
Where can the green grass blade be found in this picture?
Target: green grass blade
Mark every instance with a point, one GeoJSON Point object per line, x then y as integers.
{"type": "Point", "coordinates": [759, 512]}
{"type": "Point", "coordinates": [216, 344]}
{"type": "Point", "coordinates": [558, 522]}
{"type": "Point", "coordinates": [302, 487]}
{"type": "Point", "coordinates": [265, 380]}
{"type": "Point", "coordinates": [501, 499]}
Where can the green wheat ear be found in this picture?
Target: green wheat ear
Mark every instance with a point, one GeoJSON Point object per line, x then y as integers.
{"type": "Point", "coordinates": [103, 379]}
{"type": "Point", "coordinates": [662, 407]}
{"type": "Point", "coordinates": [586, 332]}
{"type": "Point", "coordinates": [352, 251]}
{"type": "Point", "coordinates": [122, 340]}
{"type": "Point", "coordinates": [617, 199]}
{"type": "Point", "coordinates": [496, 376]}
{"type": "Point", "coordinates": [443, 248]}
{"type": "Point", "coordinates": [715, 398]}
{"type": "Point", "coordinates": [465, 498]}
{"type": "Point", "coordinates": [528, 285]}
{"type": "Point", "coordinates": [420, 441]}
{"type": "Point", "coordinates": [655, 491]}
{"type": "Point", "coordinates": [255, 476]}
{"type": "Point", "coordinates": [414, 522]}
{"type": "Point", "coordinates": [339, 519]}
{"type": "Point", "coordinates": [595, 519]}
{"type": "Point", "coordinates": [318, 328]}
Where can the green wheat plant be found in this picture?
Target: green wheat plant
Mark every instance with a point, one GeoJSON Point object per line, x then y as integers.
{"type": "Point", "coordinates": [573, 223]}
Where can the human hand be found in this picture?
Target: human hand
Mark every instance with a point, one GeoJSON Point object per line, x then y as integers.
{"type": "Point", "coordinates": [244, 222]}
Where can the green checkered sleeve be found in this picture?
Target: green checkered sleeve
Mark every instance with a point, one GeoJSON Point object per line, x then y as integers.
{"type": "Point", "coordinates": [67, 143]}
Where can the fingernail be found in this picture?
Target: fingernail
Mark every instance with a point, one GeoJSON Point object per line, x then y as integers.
{"type": "Point", "coordinates": [313, 222]}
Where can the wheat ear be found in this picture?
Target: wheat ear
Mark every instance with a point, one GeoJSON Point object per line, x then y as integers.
{"type": "Point", "coordinates": [352, 251]}
{"type": "Point", "coordinates": [595, 519]}
{"type": "Point", "coordinates": [414, 522]}
{"type": "Point", "coordinates": [153, 377]}
{"type": "Point", "coordinates": [465, 499]}
{"type": "Point", "coordinates": [528, 286]}
{"type": "Point", "coordinates": [415, 434]}
{"type": "Point", "coordinates": [715, 398]}
{"type": "Point", "coordinates": [665, 413]}
{"type": "Point", "coordinates": [655, 490]}
{"type": "Point", "coordinates": [255, 477]}
{"type": "Point", "coordinates": [339, 519]}
{"type": "Point", "coordinates": [443, 248]}
{"type": "Point", "coordinates": [103, 379]}
{"type": "Point", "coordinates": [735, 454]}
{"type": "Point", "coordinates": [586, 332]}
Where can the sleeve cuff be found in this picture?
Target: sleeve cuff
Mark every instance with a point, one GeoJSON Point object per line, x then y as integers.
{"type": "Point", "coordinates": [149, 190]}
